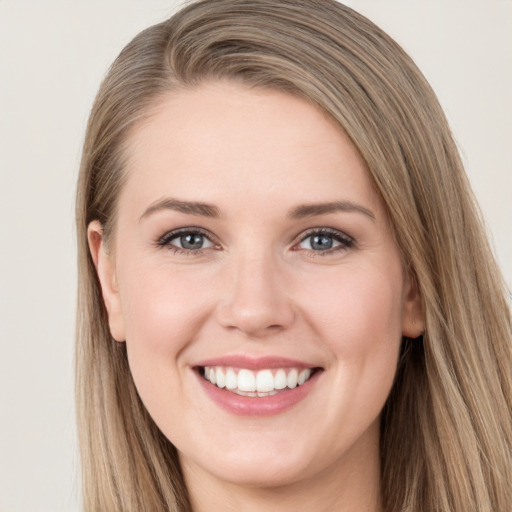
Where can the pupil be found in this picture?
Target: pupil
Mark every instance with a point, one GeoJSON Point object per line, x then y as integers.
{"type": "Point", "coordinates": [321, 242]}
{"type": "Point", "coordinates": [192, 241]}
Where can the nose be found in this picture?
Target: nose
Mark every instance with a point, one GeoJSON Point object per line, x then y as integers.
{"type": "Point", "coordinates": [256, 301]}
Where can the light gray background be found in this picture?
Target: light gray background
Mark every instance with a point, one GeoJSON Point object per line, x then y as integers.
{"type": "Point", "coordinates": [53, 55]}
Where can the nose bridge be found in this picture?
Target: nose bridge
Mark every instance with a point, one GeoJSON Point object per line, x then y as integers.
{"type": "Point", "coordinates": [256, 299]}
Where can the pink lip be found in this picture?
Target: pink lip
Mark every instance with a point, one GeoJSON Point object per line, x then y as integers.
{"type": "Point", "coordinates": [255, 363]}
{"type": "Point", "coordinates": [256, 406]}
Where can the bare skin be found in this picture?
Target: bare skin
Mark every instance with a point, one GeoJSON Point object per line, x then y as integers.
{"type": "Point", "coordinates": [248, 227]}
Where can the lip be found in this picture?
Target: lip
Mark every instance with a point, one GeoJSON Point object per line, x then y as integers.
{"type": "Point", "coordinates": [256, 406]}
{"type": "Point", "coordinates": [255, 363]}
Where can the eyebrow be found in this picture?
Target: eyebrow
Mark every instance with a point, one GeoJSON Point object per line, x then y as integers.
{"type": "Point", "coordinates": [314, 209]}
{"type": "Point", "coordinates": [300, 212]}
{"type": "Point", "coordinates": [188, 207]}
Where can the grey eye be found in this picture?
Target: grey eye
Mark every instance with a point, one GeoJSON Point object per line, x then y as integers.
{"type": "Point", "coordinates": [326, 240]}
{"type": "Point", "coordinates": [319, 242]}
{"type": "Point", "coordinates": [190, 241]}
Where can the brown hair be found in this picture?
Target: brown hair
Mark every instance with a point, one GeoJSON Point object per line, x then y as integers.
{"type": "Point", "coordinates": [446, 436]}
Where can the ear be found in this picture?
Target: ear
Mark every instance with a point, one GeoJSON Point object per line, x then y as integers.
{"type": "Point", "coordinates": [413, 318]}
{"type": "Point", "coordinates": [105, 268]}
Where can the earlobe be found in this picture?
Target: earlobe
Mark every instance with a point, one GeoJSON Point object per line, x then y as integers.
{"type": "Point", "coordinates": [105, 269]}
{"type": "Point", "coordinates": [413, 318]}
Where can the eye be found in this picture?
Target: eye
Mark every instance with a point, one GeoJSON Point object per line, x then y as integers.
{"type": "Point", "coordinates": [186, 240]}
{"type": "Point", "coordinates": [325, 240]}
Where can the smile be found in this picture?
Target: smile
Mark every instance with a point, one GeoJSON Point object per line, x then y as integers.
{"type": "Point", "coordinates": [262, 383]}
{"type": "Point", "coordinates": [256, 387]}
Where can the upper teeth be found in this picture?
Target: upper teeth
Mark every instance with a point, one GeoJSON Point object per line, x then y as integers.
{"type": "Point", "coordinates": [260, 383]}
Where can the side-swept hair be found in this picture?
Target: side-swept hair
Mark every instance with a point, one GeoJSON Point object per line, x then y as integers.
{"type": "Point", "coordinates": [446, 432]}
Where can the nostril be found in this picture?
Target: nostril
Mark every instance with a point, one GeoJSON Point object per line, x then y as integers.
{"type": "Point", "coordinates": [256, 306]}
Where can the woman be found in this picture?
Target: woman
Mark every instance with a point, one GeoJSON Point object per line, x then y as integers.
{"type": "Point", "coordinates": [287, 298]}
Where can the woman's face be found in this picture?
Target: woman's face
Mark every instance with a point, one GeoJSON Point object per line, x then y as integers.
{"type": "Point", "coordinates": [251, 246]}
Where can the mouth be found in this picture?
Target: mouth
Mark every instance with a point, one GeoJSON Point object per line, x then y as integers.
{"type": "Point", "coordinates": [256, 384]}
{"type": "Point", "coordinates": [256, 387]}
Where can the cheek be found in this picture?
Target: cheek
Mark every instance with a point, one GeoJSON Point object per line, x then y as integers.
{"type": "Point", "coordinates": [357, 315]}
{"type": "Point", "coordinates": [356, 307]}
{"type": "Point", "coordinates": [163, 313]}
{"type": "Point", "coordinates": [163, 310]}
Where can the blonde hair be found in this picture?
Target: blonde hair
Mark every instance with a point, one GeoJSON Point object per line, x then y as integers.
{"type": "Point", "coordinates": [446, 433]}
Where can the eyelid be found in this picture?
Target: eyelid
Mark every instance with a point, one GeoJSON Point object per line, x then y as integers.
{"type": "Point", "coordinates": [165, 239]}
{"type": "Point", "coordinates": [345, 240]}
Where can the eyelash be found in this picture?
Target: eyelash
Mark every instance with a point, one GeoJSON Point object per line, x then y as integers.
{"type": "Point", "coordinates": [165, 240]}
{"type": "Point", "coordinates": [345, 241]}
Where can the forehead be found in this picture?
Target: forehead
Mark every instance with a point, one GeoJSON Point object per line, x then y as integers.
{"type": "Point", "coordinates": [227, 142]}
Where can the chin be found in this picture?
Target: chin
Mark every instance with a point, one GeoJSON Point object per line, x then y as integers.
{"type": "Point", "coordinates": [265, 474]}
{"type": "Point", "coordinates": [261, 466]}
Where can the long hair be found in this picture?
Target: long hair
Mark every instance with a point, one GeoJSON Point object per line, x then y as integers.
{"type": "Point", "coordinates": [446, 429]}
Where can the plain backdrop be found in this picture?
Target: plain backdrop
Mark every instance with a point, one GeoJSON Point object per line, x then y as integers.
{"type": "Point", "coordinates": [53, 55]}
